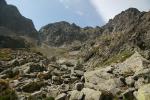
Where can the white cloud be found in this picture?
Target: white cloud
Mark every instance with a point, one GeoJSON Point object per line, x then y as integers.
{"type": "Point", "coordinates": [80, 13]}
{"type": "Point", "coordinates": [70, 3]}
{"type": "Point", "coordinates": [66, 3]}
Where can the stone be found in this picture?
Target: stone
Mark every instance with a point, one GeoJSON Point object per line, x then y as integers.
{"type": "Point", "coordinates": [36, 68]}
{"type": "Point", "coordinates": [78, 73]}
{"type": "Point", "coordinates": [66, 80]}
{"type": "Point", "coordinates": [82, 79]}
{"type": "Point", "coordinates": [57, 80]}
{"type": "Point", "coordinates": [140, 82]}
{"type": "Point", "coordinates": [76, 95]}
{"type": "Point", "coordinates": [130, 81]}
{"type": "Point", "coordinates": [64, 68]}
{"type": "Point", "coordinates": [79, 86]}
{"type": "Point", "coordinates": [97, 76]}
{"type": "Point", "coordinates": [133, 64]}
{"type": "Point", "coordinates": [63, 88]}
{"type": "Point", "coordinates": [14, 63]}
{"type": "Point", "coordinates": [91, 94]}
{"type": "Point", "coordinates": [61, 96]}
{"type": "Point", "coordinates": [37, 95]}
{"type": "Point", "coordinates": [143, 73]}
{"type": "Point", "coordinates": [144, 92]}
{"type": "Point", "coordinates": [128, 94]}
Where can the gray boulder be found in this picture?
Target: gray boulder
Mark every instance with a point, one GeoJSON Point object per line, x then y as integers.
{"type": "Point", "coordinates": [76, 95]}
{"type": "Point", "coordinates": [62, 96]}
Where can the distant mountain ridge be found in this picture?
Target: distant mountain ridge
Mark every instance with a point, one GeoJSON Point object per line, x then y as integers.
{"type": "Point", "coordinates": [64, 33]}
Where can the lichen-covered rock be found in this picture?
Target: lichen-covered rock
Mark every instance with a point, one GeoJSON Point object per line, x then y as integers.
{"type": "Point", "coordinates": [91, 94]}
{"type": "Point", "coordinates": [76, 95]}
{"type": "Point", "coordinates": [144, 93]}
{"type": "Point", "coordinates": [62, 96]}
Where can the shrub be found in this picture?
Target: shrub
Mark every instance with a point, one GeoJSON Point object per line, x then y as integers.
{"type": "Point", "coordinates": [50, 98]}
{"type": "Point", "coordinates": [6, 93]}
{"type": "Point", "coordinates": [33, 86]}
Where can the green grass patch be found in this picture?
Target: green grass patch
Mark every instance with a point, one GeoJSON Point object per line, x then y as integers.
{"type": "Point", "coordinates": [5, 54]}
{"type": "Point", "coordinates": [120, 57]}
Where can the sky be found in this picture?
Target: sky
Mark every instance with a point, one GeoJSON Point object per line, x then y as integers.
{"type": "Point", "coordinates": [81, 12]}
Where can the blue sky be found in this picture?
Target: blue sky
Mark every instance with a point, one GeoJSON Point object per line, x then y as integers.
{"type": "Point", "coordinates": [82, 12]}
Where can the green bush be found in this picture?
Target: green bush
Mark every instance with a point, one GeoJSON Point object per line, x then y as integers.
{"type": "Point", "coordinates": [6, 93]}
{"type": "Point", "coordinates": [33, 86]}
{"type": "Point", "coordinates": [50, 98]}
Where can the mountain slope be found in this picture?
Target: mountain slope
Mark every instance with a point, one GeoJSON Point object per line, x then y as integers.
{"type": "Point", "coordinates": [11, 18]}
{"type": "Point", "coordinates": [127, 32]}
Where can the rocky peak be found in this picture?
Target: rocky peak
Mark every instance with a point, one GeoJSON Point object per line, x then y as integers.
{"type": "Point", "coordinates": [60, 33]}
{"type": "Point", "coordinates": [11, 18]}
{"type": "Point", "coordinates": [132, 10]}
{"type": "Point", "coordinates": [125, 20]}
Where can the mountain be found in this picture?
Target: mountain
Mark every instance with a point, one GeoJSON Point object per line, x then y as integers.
{"type": "Point", "coordinates": [64, 33]}
{"type": "Point", "coordinates": [16, 31]}
{"type": "Point", "coordinates": [11, 18]}
{"type": "Point", "coordinates": [127, 32]}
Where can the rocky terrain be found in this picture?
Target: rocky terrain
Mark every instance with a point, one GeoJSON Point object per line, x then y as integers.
{"type": "Point", "coordinates": [111, 62]}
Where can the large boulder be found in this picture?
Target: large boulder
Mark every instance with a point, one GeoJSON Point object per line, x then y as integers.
{"type": "Point", "coordinates": [76, 95]}
{"type": "Point", "coordinates": [133, 64]}
{"type": "Point", "coordinates": [97, 76]}
{"type": "Point", "coordinates": [91, 94]}
{"type": "Point", "coordinates": [100, 79]}
{"type": "Point", "coordinates": [144, 93]}
{"type": "Point", "coordinates": [62, 96]}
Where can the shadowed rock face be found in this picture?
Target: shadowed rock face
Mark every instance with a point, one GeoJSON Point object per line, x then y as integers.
{"type": "Point", "coordinates": [3, 2]}
{"type": "Point", "coordinates": [12, 42]}
{"type": "Point", "coordinates": [11, 18]}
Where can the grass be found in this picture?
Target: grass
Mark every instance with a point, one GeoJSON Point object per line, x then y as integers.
{"type": "Point", "coordinates": [33, 86]}
{"type": "Point", "coordinates": [6, 93]}
{"type": "Point", "coordinates": [5, 54]}
{"type": "Point", "coordinates": [49, 98]}
{"type": "Point", "coordinates": [120, 57]}
{"type": "Point", "coordinates": [51, 51]}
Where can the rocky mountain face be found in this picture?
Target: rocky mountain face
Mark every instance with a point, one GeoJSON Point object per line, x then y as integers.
{"type": "Point", "coordinates": [16, 31]}
{"type": "Point", "coordinates": [64, 33]}
{"type": "Point", "coordinates": [127, 32]}
{"type": "Point", "coordinates": [103, 63]}
{"type": "Point", "coordinates": [11, 18]}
